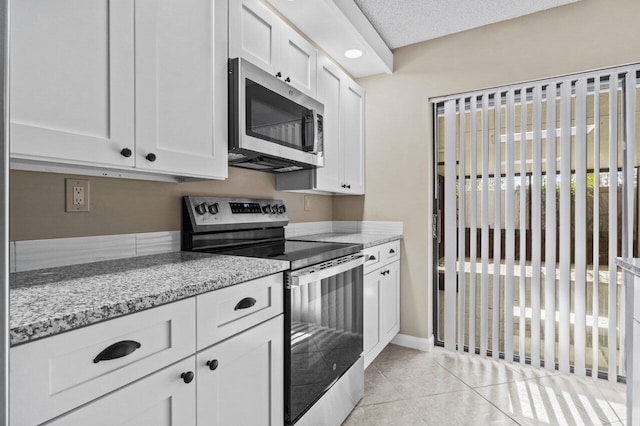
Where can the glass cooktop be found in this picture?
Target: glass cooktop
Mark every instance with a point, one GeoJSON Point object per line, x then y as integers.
{"type": "Point", "coordinates": [299, 253]}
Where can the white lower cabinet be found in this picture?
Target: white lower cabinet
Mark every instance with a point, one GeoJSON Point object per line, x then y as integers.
{"type": "Point", "coordinates": [145, 369]}
{"type": "Point", "coordinates": [381, 298]}
{"type": "Point", "coordinates": [240, 381]}
{"type": "Point", "coordinates": [163, 398]}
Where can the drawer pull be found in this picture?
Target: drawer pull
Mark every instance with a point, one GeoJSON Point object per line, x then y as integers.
{"type": "Point", "coordinates": [392, 251]}
{"type": "Point", "coordinates": [187, 377]}
{"type": "Point", "coordinates": [245, 303]}
{"type": "Point", "coordinates": [213, 364]}
{"type": "Point", "coordinates": [117, 350]}
{"type": "Point", "coordinates": [371, 257]}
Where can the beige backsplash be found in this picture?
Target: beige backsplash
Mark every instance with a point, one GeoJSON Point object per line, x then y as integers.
{"type": "Point", "coordinates": [123, 206]}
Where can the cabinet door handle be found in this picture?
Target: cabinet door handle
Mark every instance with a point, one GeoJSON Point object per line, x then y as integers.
{"type": "Point", "coordinates": [213, 364]}
{"type": "Point", "coordinates": [348, 186]}
{"type": "Point", "coordinates": [245, 303]}
{"type": "Point", "coordinates": [151, 157]}
{"type": "Point", "coordinates": [279, 74]}
{"type": "Point", "coordinates": [117, 350]}
{"type": "Point", "coordinates": [187, 377]}
{"type": "Point", "coordinates": [383, 272]}
{"type": "Point", "coordinates": [126, 152]}
{"type": "Point", "coordinates": [288, 80]}
{"type": "Point", "coordinates": [392, 251]}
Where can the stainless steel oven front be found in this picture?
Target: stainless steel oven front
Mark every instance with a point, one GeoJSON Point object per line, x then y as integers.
{"type": "Point", "coordinates": [272, 125]}
{"type": "Point", "coordinates": [325, 329]}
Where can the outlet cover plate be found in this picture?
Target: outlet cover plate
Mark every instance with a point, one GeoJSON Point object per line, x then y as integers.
{"type": "Point", "coordinates": [69, 195]}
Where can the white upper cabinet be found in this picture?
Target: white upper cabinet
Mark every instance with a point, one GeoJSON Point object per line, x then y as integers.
{"type": "Point", "coordinates": [72, 80]}
{"type": "Point", "coordinates": [353, 105]}
{"type": "Point", "coordinates": [258, 35]}
{"type": "Point", "coordinates": [330, 91]}
{"type": "Point", "coordinates": [343, 137]}
{"type": "Point", "coordinates": [298, 61]}
{"type": "Point", "coordinates": [254, 34]}
{"type": "Point", "coordinates": [119, 84]}
{"type": "Point", "coordinates": [181, 81]}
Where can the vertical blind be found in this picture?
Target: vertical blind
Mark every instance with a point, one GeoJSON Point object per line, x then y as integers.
{"type": "Point", "coordinates": [540, 197]}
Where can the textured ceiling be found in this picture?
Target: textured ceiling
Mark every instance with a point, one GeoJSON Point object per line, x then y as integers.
{"type": "Point", "coordinates": [404, 22]}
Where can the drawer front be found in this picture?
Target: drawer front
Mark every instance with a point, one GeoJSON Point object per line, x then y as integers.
{"type": "Point", "coordinates": [162, 398]}
{"type": "Point", "coordinates": [381, 255]}
{"type": "Point", "coordinates": [225, 312]}
{"type": "Point", "coordinates": [390, 252]}
{"type": "Point", "coordinates": [372, 257]}
{"type": "Point", "coordinates": [61, 372]}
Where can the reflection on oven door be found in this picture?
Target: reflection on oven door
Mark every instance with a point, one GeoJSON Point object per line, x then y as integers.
{"type": "Point", "coordinates": [326, 335]}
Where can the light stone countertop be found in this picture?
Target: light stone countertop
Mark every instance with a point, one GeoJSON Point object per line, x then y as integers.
{"type": "Point", "coordinates": [367, 239]}
{"type": "Point", "coordinates": [48, 301]}
{"type": "Point", "coordinates": [630, 264]}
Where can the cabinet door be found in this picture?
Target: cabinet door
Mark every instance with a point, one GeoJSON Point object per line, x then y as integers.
{"type": "Point", "coordinates": [181, 87]}
{"type": "Point", "coordinates": [243, 383]}
{"type": "Point", "coordinates": [371, 312]}
{"type": "Point", "coordinates": [329, 178]}
{"type": "Point", "coordinates": [390, 302]}
{"type": "Point", "coordinates": [72, 81]}
{"type": "Point", "coordinates": [254, 34]}
{"type": "Point", "coordinates": [353, 105]}
{"type": "Point", "coordinates": [162, 398]}
{"type": "Point", "coordinates": [299, 59]}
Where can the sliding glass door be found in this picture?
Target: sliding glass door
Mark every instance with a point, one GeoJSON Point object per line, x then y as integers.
{"type": "Point", "coordinates": [536, 195]}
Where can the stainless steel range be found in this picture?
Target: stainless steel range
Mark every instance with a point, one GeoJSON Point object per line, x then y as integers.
{"type": "Point", "coordinates": [323, 369]}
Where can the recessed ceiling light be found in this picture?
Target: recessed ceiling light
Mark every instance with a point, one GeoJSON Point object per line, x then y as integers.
{"type": "Point", "coordinates": [353, 53]}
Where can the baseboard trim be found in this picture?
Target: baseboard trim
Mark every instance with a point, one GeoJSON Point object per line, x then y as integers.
{"type": "Point", "coordinates": [413, 342]}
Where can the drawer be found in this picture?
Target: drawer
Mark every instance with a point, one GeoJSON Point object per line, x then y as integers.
{"type": "Point", "coordinates": [59, 373]}
{"type": "Point", "coordinates": [381, 255]}
{"type": "Point", "coordinates": [372, 258]}
{"type": "Point", "coordinates": [228, 311]}
{"type": "Point", "coordinates": [390, 252]}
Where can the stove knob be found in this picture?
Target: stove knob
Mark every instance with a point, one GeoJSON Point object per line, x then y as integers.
{"type": "Point", "coordinates": [201, 208]}
{"type": "Point", "coordinates": [213, 208]}
{"type": "Point", "coordinates": [274, 209]}
{"type": "Point", "coordinates": [266, 209]}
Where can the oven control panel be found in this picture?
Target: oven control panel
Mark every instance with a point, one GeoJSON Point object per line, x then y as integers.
{"type": "Point", "coordinates": [225, 213]}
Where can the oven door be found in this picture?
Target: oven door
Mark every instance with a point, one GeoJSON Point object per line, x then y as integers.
{"type": "Point", "coordinates": [324, 318]}
{"type": "Point", "coordinates": [272, 118]}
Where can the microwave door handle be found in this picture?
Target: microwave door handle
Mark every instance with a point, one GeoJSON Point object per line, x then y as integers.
{"type": "Point", "coordinates": [303, 278]}
{"type": "Point", "coordinates": [315, 130]}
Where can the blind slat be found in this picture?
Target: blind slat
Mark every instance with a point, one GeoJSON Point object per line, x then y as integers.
{"type": "Point", "coordinates": [450, 225]}
{"type": "Point", "coordinates": [536, 217]}
{"type": "Point", "coordinates": [613, 227]}
{"type": "Point", "coordinates": [497, 238]}
{"type": "Point", "coordinates": [579, 339]}
{"type": "Point", "coordinates": [565, 227]}
{"type": "Point", "coordinates": [461, 228]}
{"type": "Point", "coordinates": [595, 345]}
{"type": "Point", "coordinates": [510, 228]}
{"type": "Point", "coordinates": [473, 225]}
{"type": "Point", "coordinates": [522, 298]}
{"type": "Point", "coordinates": [484, 313]}
{"type": "Point", "coordinates": [550, 240]}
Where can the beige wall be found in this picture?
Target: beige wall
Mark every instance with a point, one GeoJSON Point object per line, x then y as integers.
{"type": "Point", "coordinates": [120, 206]}
{"type": "Point", "coordinates": [586, 35]}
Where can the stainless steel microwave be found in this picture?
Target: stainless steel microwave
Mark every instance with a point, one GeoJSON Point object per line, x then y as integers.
{"type": "Point", "coordinates": [272, 126]}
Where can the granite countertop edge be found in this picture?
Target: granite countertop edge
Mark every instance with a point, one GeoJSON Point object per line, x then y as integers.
{"type": "Point", "coordinates": [52, 325]}
{"type": "Point", "coordinates": [367, 239]}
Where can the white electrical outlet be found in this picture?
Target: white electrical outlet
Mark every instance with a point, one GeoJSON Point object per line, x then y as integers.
{"type": "Point", "coordinates": [77, 196]}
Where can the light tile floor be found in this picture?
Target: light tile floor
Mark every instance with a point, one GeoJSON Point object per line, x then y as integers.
{"type": "Point", "coordinates": [409, 387]}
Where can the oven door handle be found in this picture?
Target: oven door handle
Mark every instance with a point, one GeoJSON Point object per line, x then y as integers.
{"type": "Point", "coordinates": [304, 277]}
